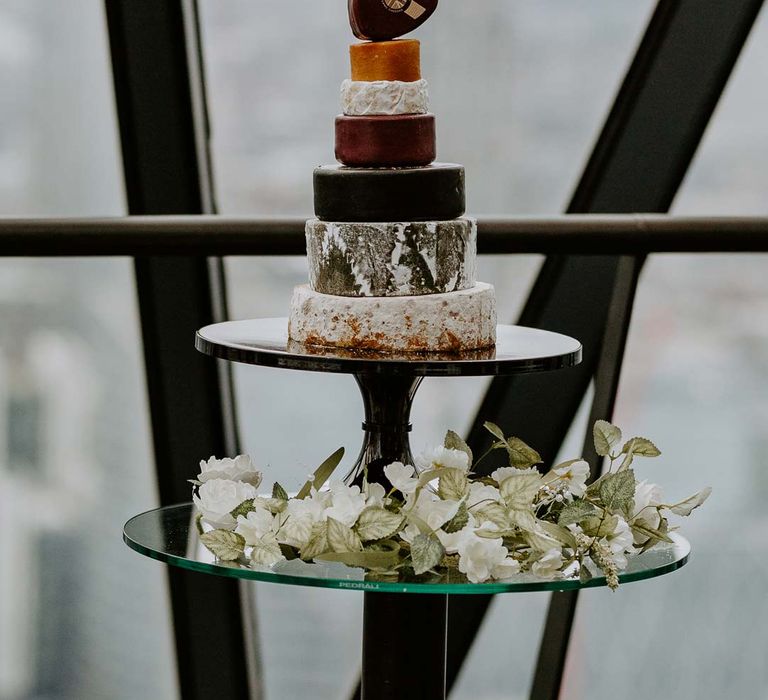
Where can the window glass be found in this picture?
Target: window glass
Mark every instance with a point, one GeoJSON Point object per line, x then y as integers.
{"type": "Point", "coordinates": [519, 99]}
{"type": "Point", "coordinates": [695, 381]}
{"type": "Point", "coordinates": [81, 616]}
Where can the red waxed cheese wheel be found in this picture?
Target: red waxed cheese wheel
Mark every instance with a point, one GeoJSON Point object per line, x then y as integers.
{"type": "Point", "coordinates": [406, 140]}
{"type": "Point", "coordinates": [386, 60]}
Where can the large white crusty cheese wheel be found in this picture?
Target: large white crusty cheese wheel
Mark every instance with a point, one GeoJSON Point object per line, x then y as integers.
{"type": "Point", "coordinates": [453, 322]}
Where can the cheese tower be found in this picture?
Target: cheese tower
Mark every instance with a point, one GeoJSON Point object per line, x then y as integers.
{"type": "Point", "coordinates": [392, 261]}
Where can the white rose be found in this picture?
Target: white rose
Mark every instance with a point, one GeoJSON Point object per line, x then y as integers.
{"type": "Point", "coordinates": [401, 477]}
{"type": "Point", "coordinates": [238, 469]}
{"type": "Point", "coordinates": [348, 502]}
{"type": "Point", "coordinates": [480, 557]}
{"type": "Point", "coordinates": [255, 525]}
{"type": "Point", "coordinates": [574, 476]}
{"type": "Point", "coordinates": [548, 564]}
{"type": "Point", "coordinates": [443, 457]}
{"type": "Point", "coordinates": [217, 498]}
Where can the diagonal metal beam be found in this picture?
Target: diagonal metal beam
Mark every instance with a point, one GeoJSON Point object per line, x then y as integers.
{"type": "Point", "coordinates": [657, 121]}
{"type": "Point", "coordinates": [160, 95]}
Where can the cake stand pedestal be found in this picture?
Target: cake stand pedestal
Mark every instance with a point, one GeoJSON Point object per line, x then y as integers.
{"type": "Point", "coordinates": [404, 623]}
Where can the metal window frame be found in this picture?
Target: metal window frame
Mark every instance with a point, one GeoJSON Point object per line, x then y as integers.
{"type": "Point", "coordinates": [680, 70]}
{"type": "Point", "coordinates": [161, 108]}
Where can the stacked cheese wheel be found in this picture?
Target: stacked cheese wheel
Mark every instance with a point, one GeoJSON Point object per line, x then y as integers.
{"type": "Point", "coordinates": [392, 262]}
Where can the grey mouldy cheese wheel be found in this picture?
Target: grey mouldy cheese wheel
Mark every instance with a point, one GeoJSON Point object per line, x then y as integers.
{"type": "Point", "coordinates": [430, 193]}
{"type": "Point", "coordinates": [453, 322]}
{"type": "Point", "coordinates": [391, 259]}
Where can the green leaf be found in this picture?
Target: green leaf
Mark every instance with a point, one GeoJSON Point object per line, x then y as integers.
{"type": "Point", "coordinates": [561, 534]}
{"type": "Point", "coordinates": [342, 538]}
{"type": "Point", "coordinates": [318, 542]}
{"type": "Point", "coordinates": [640, 447]}
{"type": "Point", "coordinates": [454, 441]}
{"type": "Point", "coordinates": [458, 521]}
{"type": "Point", "coordinates": [522, 518]}
{"type": "Point", "coordinates": [494, 513]}
{"type": "Point", "coordinates": [495, 534]}
{"type": "Point", "coordinates": [279, 493]}
{"type": "Point", "coordinates": [574, 512]}
{"type": "Point", "coordinates": [521, 455]}
{"type": "Point", "coordinates": [495, 430]}
{"type": "Point", "coordinates": [651, 532]}
{"type": "Point", "coordinates": [595, 526]}
{"type": "Point", "coordinates": [686, 507]}
{"type": "Point", "coordinates": [453, 484]}
{"type": "Point", "coordinates": [199, 524]}
{"type": "Point", "coordinates": [224, 545]}
{"type": "Point", "coordinates": [617, 491]}
{"type": "Point", "coordinates": [585, 575]}
{"type": "Point", "coordinates": [426, 553]}
{"type": "Point", "coordinates": [322, 474]}
{"type": "Point", "coordinates": [376, 523]}
{"type": "Point", "coordinates": [383, 558]}
{"type": "Point", "coordinates": [519, 490]}
{"type": "Point", "coordinates": [266, 552]}
{"type": "Point", "coordinates": [606, 437]}
{"type": "Point", "coordinates": [243, 509]}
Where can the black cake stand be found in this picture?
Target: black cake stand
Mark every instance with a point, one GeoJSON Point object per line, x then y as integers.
{"type": "Point", "coordinates": [404, 636]}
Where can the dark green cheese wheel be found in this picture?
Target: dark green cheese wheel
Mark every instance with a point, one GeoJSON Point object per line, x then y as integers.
{"type": "Point", "coordinates": [431, 193]}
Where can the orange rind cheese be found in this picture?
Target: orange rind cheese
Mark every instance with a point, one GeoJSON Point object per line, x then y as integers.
{"type": "Point", "coordinates": [386, 60]}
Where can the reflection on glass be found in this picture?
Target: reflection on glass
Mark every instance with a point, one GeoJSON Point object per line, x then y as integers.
{"type": "Point", "coordinates": [81, 617]}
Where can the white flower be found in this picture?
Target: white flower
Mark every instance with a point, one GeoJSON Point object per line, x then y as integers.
{"type": "Point", "coordinates": [255, 525]}
{"type": "Point", "coordinates": [504, 473]}
{"type": "Point", "coordinates": [619, 542]}
{"type": "Point", "coordinates": [452, 541]}
{"type": "Point", "coordinates": [266, 551]}
{"type": "Point", "coordinates": [574, 477]}
{"type": "Point", "coordinates": [548, 563]}
{"type": "Point", "coordinates": [481, 558]}
{"type": "Point", "coordinates": [443, 457]}
{"type": "Point", "coordinates": [348, 502]}
{"type": "Point", "coordinates": [431, 510]}
{"type": "Point", "coordinates": [295, 523]}
{"type": "Point", "coordinates": [482, 493]}
{"type": "Point", "coordinates": [401, 477]}
{"type": "Point", "coordinates": [375, 495]}
{"type": "Point", "coordinates": [218, 497]}
{"type": "Point", "coordinates": [507, 569]}
{"type": "Point", "coordinates": [238, 469]}
{"type": "Point", "coordinates": [647, 497]}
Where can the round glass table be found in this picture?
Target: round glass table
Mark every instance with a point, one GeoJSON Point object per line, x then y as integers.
{"type": "Point", "coordinates": [170, 536]}
{"type": "Point", "coordinates": [388, 384]}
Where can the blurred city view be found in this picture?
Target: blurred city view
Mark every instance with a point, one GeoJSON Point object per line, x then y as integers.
{"type": "Point", "coordinates": [520, 90]}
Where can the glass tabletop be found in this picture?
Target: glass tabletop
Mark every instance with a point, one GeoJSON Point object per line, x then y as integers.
{"type": "Point", "coordinates": [265, 342]}
{"type": "Point", "coordinates": [169, 535]}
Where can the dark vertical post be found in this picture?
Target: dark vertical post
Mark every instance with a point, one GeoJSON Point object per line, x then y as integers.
{"type": "Point", "coordinates": [160, 97]}
{"type": "Point", "coordinates": [404, 642]}
{"type": "Point", "coordinates": [553, 650]}
{"type": "Point", "coordinates": [650, 136]}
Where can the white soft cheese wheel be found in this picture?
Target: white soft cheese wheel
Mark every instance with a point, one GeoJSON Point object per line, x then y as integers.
{"type": "Point", "coordinates": [384, 98]}
{"type": "Point", "coordinates": [453, 322]}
